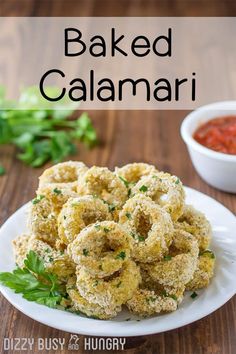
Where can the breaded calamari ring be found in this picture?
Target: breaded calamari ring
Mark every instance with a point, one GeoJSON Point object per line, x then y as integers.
{"type": "Point", "coordinates": [132, 172]}
{"type": "Point", "coordinates": [57, 196]}
{"type": "Point", "coordinates": [102, 248]}
{"type": "Point", "coordinates": [146, 303]}
{"type": "Point", "coordinates": [54, 261]}
{"type": "Point", "coordinates": [165, 190]}
{"type": "Point", "coordinates": [101, 182]}
{"type": "Point", "coordinates": [77, 213]}
{"type": "Point", "coordinates": [204, 271]}
{"type": "Point", "coordinates": [177, 268]}
{"type": "Point", "coordinates": [44, 210]}
{"type": "Point", "coordinates": [160, 290]}
{"type": "Point", "coordinates": [196, 223]}
{"type": "Point", "coordinates": [150, 226]}
{"type": "Point", "coordinates": [42, 219]}
{"type": "Point", "coordinates": [79, 303]}
{"type": "Point", "coordinates": [63, 174]}
{"type": "Point", "coordinates": [114, 290]}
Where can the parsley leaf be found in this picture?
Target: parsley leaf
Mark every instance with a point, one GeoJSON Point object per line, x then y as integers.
{"type": "Point", "coordinates": [34, 282]}
{"type": "Point", "coordinates": [126, 183]}
{"type": "Point", "coordinates": [128, 215]}
{"type": "Point", "coordinates": [57, 191]}
{"type": "Point", "coordinates": [43, 135]}
{"type": "Point", "coordinates": [143, 188]}
{"type": "Point", "coordinates": [194, 295]}
{"type": "Point", "coordinates": [167, 258]}
{"type": "Point", "coordinates": [38, 199]}
{"type": "Point", "coordinates": [121, 255]}
{"type": "Point", "coordinates": [85, 252]}
{"type": "Point", "coordinates": [2, 170]}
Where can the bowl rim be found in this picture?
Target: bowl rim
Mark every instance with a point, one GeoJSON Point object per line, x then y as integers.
{"type": "Point", "coordinates": [196, 115]}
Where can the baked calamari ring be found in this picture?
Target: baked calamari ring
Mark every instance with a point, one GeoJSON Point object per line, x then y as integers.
{"type": "Point", "coordinates": [54, 261]}
{"type": "Point", "coordinates": [165, 190]}
{"type": "Point", "coordinates": [146, 303]}
{"type": "Point", "coordinates": [101, 182]}
{"type": "Point", "coordinates": [102, 248]}
{"type": "Point", "coordinates": [204, 272]}
{"type": "Point", "coordinates": [114, 290]}
{"type": "Point", "coordinates": [42, 219]}
{"type": "Point", "coordinates": [196, 223]}
{"type": "Point", "coordinates": [177, 268]}
{"type": "Point", "coordinates": [63, 174]}
{"type": "Point", "coordinates": [77, 213]}
{"type": "Point", "coordinates": [160, 290]}
{"type": "Point", "coordinates": [44, 210]}
{"type": "Point", "coordinates": [132, 172]}
{"type": "Point", "coordinates": [150, 226]}
{"type": "Point", "coordinates": [57, 196]}
{"type": "Point", "coordinates": [79, 303]}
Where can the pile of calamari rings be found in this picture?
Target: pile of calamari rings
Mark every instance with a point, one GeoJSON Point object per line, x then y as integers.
{"type": "Point", "coordinates": [118, 238]}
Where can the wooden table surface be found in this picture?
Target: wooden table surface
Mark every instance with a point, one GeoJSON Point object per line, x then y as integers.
{"type": "Point", "coordinates": [126, 136]}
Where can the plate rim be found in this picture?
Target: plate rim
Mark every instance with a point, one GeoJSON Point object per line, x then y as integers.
{"type": "Point", "coordinates": [122, 331]}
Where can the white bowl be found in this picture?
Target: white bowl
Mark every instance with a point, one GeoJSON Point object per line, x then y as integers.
{"type": "Point", "coordinates": [217, 169]}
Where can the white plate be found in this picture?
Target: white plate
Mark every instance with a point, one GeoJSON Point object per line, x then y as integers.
{"type": "Point", "coordinates": [221, 289]}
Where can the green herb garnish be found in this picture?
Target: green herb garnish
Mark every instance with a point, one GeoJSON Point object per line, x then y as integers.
{"type": "Point", "coordinates": [38, 199]}
{"type": "Point", "coordinates": [194, 295]}
{"type": "Point", "coordinates": [177, 181]}
{"type": "Point", "coordinates": [106, 230]}
{"type": "Point", "coordinates": [111, 208]}
{"type": "Point", "coordinates": [121, 255]}
{"type": "Point", "coordinates": [141, 238]}
{"type": "Point", "coordinates": [34, 282]}
{"type": "Point", "coordinates": [57, 191]}
{"type": "Point", "coordinates": [85, 252]}
{"type": "Point", "coordinates": [167, 258]}
{"type": "Point", "coordinates": [43, 133]}
{"type": "Point", "coordinates": [2, 170]}
{"type": "Point", "coordinates": [128, 215]}
{"type": "Point", "coordinates": [143, 188]}
{"type": "Point", "coordinates": [208, 253]}
{"type": "Point", "coordinates": [126, 183]}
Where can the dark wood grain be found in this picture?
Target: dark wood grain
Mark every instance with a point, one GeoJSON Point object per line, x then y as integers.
{"type": "Point", "coordinates": [126, 136]}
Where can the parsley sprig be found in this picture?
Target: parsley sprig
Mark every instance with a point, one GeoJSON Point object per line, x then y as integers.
{"type": "Point", "coordinates": [34, 282]}
{"type": "Point", "coordinates": [43, 134]}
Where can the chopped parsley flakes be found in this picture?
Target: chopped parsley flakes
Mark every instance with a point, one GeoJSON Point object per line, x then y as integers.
{"type": "Point", "coordinates": [167, 258]}
{"type": "Point", "coordinates": [57, 191]}
{"type": "Point", "coordinates": [121, 255]}
{"type": "Point", "coordinates": [38, 199]}
{"type": "Point", "coordinates": [143, 188]}
{"type": "Point", "coordinates": [85, 252]}
{"type": "Point", "coordinates": [194, 295]}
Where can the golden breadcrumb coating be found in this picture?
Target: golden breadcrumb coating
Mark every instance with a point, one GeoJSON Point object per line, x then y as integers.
{"type": "Point", "coordinates": [196, 223]}
{"type": "Point", "coordinates": [150, 226]}
{"type": "Point", "coordinates": [132, 172]}
{"type": "Point", "coordinates": [77, 213]}
{"type": "Point", "coordinates": [165, 190]}
{"type": "Point", "coordinates": [204, 272]}
{"type": "Point", "coordinates": [101, 182]}
{"type": "Point", "coordinates": [114, 290]}
{"type": "Point", "coordinates": [54, 261]}
{"type": "Point", "coordinates": [63, 174]}
{"type": "Point", "coordinates": [102, 248]}
{"type": "Point", "coordinates": [79, 303]}
{"type": "Point", "coordinates": [146, 303]}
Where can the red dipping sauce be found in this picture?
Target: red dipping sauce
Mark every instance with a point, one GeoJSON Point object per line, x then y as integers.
{"type": "Point", "coordinates": [218, 134]}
